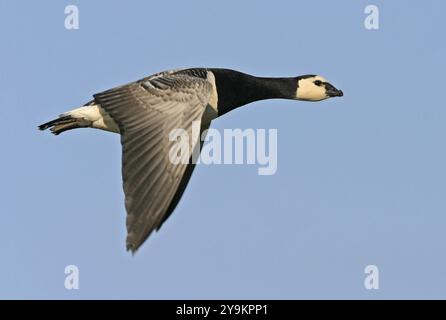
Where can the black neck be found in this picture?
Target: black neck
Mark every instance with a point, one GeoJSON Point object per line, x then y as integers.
{"type": "Point", "coordinates": [236, 89]}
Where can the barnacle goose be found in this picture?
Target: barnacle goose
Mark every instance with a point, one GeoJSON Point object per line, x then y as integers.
{"type": "Point", "coordinates": [145, 111]}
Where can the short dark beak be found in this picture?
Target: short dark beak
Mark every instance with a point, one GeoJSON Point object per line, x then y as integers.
{"type": "Point", "coordinates": [335, 93]}
{"type": "Point", "coordinates": [332, 91]}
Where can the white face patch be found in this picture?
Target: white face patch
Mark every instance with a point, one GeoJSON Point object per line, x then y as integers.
{"type": "Point", "coordinates": [308, 90]}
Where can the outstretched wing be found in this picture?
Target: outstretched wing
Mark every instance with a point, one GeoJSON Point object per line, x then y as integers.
{"type": "Point", "coordinates": [146, 112]}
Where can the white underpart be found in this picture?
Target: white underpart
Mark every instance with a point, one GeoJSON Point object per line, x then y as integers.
{"type": "Point", "coordinates": [211, 111]}
{"type": "Point", "coordinates": [307, 90]}
{"type": "Point", "coordinates": [213, 101]}
{"type": "Point", "coordinates": [99, 118]}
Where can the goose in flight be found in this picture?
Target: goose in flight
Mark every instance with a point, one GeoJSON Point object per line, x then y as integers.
{"type": "Point", "coordinates": [144, 112]}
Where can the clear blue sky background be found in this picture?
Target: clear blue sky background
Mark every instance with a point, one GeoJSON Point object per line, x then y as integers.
{"type": "Point", "coordinates": [360, 180]}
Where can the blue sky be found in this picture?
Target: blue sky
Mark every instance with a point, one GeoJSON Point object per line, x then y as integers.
{"type": "Point", "coordinates": [360, 180]}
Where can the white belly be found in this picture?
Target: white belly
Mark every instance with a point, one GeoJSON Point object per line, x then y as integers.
{"type": "Point", "coordinates": [99, 118]}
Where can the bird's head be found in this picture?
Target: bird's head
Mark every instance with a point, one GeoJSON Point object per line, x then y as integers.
{"type": "Point", "coordinates": [315, 88]}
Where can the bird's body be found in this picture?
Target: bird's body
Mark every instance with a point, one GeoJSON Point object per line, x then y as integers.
{"type": "Point", "coordinates": [146, 111]}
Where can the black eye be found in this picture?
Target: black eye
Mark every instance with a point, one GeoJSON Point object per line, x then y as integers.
{"type": "Point", "coordinates": [318, 82]}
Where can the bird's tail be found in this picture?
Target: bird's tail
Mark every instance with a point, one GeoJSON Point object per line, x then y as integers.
{"type": "Point", "coordinates": [64, 123]}
{"type": "Point", "coordinates": [77, 118]}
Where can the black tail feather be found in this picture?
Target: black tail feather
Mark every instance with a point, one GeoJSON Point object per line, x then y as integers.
{"type": "Point", "coordinates": [53, 122]}
{"type": "Point", "coordinates": [64, 123]}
